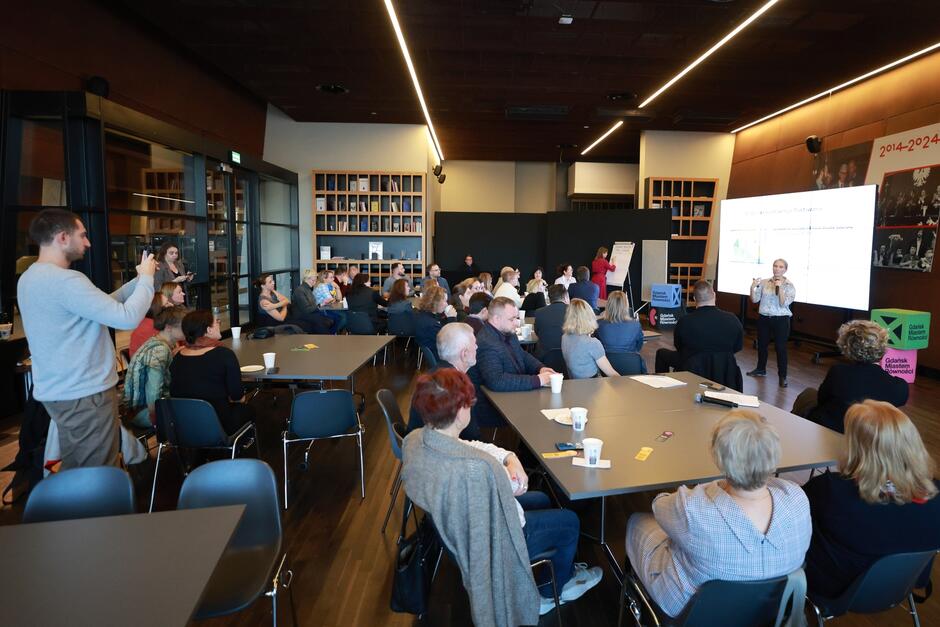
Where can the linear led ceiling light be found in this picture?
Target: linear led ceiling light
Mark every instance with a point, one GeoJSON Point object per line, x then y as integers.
{"type": "Point", "coordinates": [710, 51]}
{"type": "Point", "coordinates": [831, 90]}
{"type": "Point", "coordinates": [603, 137]}
{"type": "Point", "coordinates": [414, 76]}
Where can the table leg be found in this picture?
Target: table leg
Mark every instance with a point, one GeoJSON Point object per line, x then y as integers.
{"type": "Point", "coordinates": [352, 383]}
{"type": "Point", "coordinates": [602, 540]}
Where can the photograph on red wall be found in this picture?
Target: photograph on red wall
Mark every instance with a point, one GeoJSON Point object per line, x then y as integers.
{"type": "Point", "coordinates": [908, 212]}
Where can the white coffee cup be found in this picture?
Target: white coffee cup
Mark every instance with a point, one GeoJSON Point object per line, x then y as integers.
{"type": "Point", "coordinates": [236, 333]}
{"type": "Point", "coordinates": [578, 418]}
{"type": "Point", "coordinates": [345, 304]}
{"type": "Point", "coordinates": [556, 380]}
{"type": "Point", "coordinates": [269, 360]}
{"type": "Point", "coordinates": [592, 450]}
{"type": "Point", "coordinates": [6, 330]}
{"type": "Point", "coordinates": [522, 316]}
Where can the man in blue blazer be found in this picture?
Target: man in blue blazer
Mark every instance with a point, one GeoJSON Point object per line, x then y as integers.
{"type": "Point", "coordinates": [548, 320]}
{"type": "Point", "coordinates": [502, 364]}
{"type": "Point", "coordinates": [584, 288]}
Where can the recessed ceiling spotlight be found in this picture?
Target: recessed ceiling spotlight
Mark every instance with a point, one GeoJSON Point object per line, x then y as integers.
{"type": "Point", "coordinates": [586, 126]}
{"type": "Point", "coordinates": [565, 19]}
{"type": "Point", "coordinates": [332, 88]}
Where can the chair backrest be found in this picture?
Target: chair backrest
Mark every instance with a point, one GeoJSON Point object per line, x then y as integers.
{"type": "Point", "coordinates": [719, 367]}
{"type": "Point", "coordinates": [322, 413]}
{"type": "Point", "coordinates": [190, 423]}
{"type": "Point", "coordinates": [627, 363]}
{"type": "Point", "coordinates": [81, 493]}
{"type": "Point", "coordinates": [735, 604]}
{"type": "Point", "coordinates": [535, 300]}
{"type": "Point", "coordinates": [885, 584]}
{"type": "Point", "coordinates": [429, 359]}
{"type": "Point", "coordinates": [555, 360]}
{"type": "Point", "coordinates": [401, 323]}
{"type": "Point", "coordinates": [248, 482]}
{"type": "Point", "coordinates": [393, 419]}
{"type": "Point", "coordinates": [359, 323]}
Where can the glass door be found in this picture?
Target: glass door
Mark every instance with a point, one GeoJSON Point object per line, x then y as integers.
{"type": "Point", "coordinates": [227, 211]}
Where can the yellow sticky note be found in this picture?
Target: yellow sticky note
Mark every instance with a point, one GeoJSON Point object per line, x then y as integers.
{"type": "Point", "coordinates": [643, 454]}
{"type": "Point", "coordinates": [554, 455]}
{"type": "Point", "coordinates": [310, 346]}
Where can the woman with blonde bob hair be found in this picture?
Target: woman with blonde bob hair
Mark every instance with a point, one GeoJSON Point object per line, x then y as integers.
{"type": "Point", "coordinates": [617, 329]}
{"type": "Point", "coordinates": [432, 313]}
{"type": "Point", "coordinates": [864, 343]}
{"type": "Point", "coordinates": [882, 500]}
{"type": "Point", "coordinates": [748, 525]}
{"type": "Point", "coordinates": [584, 355]}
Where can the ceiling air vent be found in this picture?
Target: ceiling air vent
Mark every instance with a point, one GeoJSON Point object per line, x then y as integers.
{"type": "Point", "coordinates": [537, 112]}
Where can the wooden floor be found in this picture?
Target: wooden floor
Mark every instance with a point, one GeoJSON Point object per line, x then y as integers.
{"type": "Point", "coordinates": [342, 565]}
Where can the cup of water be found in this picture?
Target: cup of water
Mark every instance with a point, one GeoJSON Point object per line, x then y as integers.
{"type": "Point", "coordinates": [236, 333]}
{"type": "Point", "coordinates": [578, 418]}
{"type": "Point", "coordinates": [592, 450]}
{"type": "Point", "coordinates": [269, 360]}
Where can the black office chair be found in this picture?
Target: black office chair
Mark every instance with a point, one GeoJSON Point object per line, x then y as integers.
{"type": "Point", "coordinates": [627, 363]}
{"type": "Point", "coordinates": [319, 415]}
{"type": "Point", "coordinates": [718, 367]}
{"type": "Point", "coordinates": [556, 361]}
{"type": "Point", "coordinates": [359, 323]}
{"type": "Point", "coordinates": [397, 430]}
{"type": "Point", "coordinates": [760, 603]}
{"type": "Point", "coordinates": [244, 570]}
{"type": "Point", "coordinates": [81, 493]}
{"type": "Point", "coordinates": [427, 355]}
{"type": "Point", "coordinates": [533, 301]}
{"type": "Point", "coordinates": [887, 583]}
{"type": "Point", "coordinates": [192, 423]}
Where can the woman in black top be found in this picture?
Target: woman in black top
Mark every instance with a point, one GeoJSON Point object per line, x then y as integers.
{"type": "Point", "coordinates": [205, 370]}
{"type": "Point", "coordinates": [883, 500]}
{"type": "Point", "coordinates": [361, 297]}
{"type": "Point", "coordinates": [865, 343]}
{"type": "Point", "coordinates": [433, 312]}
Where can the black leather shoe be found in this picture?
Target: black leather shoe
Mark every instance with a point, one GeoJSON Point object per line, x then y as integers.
{"type": "Point", "coordinates": [783, 382]}
{"type": "Point", "coordinates": [757, 373]}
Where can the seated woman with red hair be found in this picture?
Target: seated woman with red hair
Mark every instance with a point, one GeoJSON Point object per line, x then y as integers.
{"type": "Point", "coordinates": [467, 488]}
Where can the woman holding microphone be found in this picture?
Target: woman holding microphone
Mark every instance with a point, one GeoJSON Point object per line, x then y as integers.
{"type": "Point", "coordinates": [775, 296]}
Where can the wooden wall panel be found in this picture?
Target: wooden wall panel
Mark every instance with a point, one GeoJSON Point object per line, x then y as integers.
{"type": "Point", "coordinates": [771, 158]}
{"type": "Point", "coordinates": [57, 44]}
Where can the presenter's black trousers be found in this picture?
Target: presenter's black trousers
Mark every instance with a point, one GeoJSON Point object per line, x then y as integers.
{"type": "Point", "coordinates": [778, 329]}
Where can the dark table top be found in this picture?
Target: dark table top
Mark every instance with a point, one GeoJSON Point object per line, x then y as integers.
{"type": "Point", "coordinates": [336, 358]}
{"type": "Point", "coordinates": [628, 415]}
{"type": "Point", "coordinates": [142, 570]}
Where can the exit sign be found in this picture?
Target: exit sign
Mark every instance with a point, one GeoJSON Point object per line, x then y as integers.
{"type": "Point", "coordinates": [236, 157]}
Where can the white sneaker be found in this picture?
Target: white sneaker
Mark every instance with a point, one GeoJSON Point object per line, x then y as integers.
{"type": "Point", "coordinates": [546, 605]}
{"type": "Point", "coordinates": [581, 581]}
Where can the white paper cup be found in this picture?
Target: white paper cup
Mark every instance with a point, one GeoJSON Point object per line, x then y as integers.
{"type": "Point", "coordinates": [521, 316]}
{"type": "Point", "coordinates": [592, 450]}
{"type": "Point", "coordinates": [578, 418]}
{"type": "Point", "coordinates": [236, 332]}
{"type": "Point", "coordinates": [269, 360]}
{"type": "Point", "coordinates": [6, 330]}
{"type": "Point", "coordinates": [345, 304]}
{"type": "Point", "coordinates": [556, 380]}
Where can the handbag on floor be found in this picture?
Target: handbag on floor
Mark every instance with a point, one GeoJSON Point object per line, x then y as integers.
{"type": "Point", "coordinates": [414, 568]}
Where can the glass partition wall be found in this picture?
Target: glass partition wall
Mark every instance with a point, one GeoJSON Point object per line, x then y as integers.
{"type": "Point", "coordinates": [138, 184]}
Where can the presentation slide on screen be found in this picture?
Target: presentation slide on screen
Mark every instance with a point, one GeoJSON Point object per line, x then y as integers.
{"type": "Point", "coordinates": [825, 236]}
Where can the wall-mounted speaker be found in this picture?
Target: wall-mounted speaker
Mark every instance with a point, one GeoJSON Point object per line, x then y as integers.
{"type": "Point", "coordinates": [814, 144]}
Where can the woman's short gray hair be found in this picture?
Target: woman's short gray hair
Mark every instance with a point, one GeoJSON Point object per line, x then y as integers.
{"type": "Point", "coordinates": [745, 448]}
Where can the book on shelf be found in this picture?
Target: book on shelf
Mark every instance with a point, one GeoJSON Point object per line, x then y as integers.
{"type": "Point", "coordinates": [342, 204]}
{"type": "Point", "coordinates": [364, 224]}
{"type": "Point", "coordinates": [406, 205]}
{"type": "Point", "coordinates": [698, 211]}
{"type": "Point", "coordinates": [341, 225]}
{"type": "Point", "coordinates": [321, 204]}
{"type": "Point", "coordinates": [375, 206]}
{"type": "Point", "coordinates": [353, 223]}
{"type": "Point", "coordinates": [395, 226]}
{"type": "Point", "coordinates": [394, 185]}
{"type": "Point", "coordinates": [394, 207]}
{"type": "Point", "coordinates": [375, 224]}
{"type": "Point", "coordinates": [330, 206]}
{"type": "Point", "coordinates": [417, 226]}
{"type": "Point", "coordinates": [325, 252]}
{"type": "Point", "coordinates": [406, 227]}
{"type": "Point", "coordinates": [375, 250]}
{"type": "Point", "coordinates": [383, 186]}
{"type": "Point", "coordinates": [386, 227]}
{"type": "Point", "coordinates": [353, 187]}
{"type": "Point", "coordinates": [363, 183]}
{"type": "Point", "coordinates": [362, 205]}
{"type": "Point", "coordinates": [330, 184]}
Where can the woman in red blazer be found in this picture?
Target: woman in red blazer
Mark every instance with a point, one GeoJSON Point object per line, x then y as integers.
{"type": "Point", "coordinates": [599, 268]}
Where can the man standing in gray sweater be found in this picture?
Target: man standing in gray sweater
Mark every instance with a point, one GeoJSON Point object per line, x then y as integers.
{"type": "Point", "coordinates": [66, 320]}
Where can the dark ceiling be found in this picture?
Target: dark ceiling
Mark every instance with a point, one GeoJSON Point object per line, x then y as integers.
{"type": "Point", "coordinates": [505, 81]}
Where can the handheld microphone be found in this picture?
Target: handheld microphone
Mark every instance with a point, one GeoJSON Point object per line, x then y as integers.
{"type": "Point", "coordinates": [701, 398]}
{"type": "Point", "coordinates": [777, 290]}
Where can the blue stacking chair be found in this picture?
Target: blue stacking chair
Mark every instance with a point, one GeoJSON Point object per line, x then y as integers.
{"type": "Point", "coordinates": [81, 493]}
{"type": "Point", "coordinates": [627, 363]}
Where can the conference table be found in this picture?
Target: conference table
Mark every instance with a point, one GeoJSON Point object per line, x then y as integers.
{"type": "Point", "coordinates": [334, 358]}
{"type": "Point", "coordinates": [142, 569]}
{"type": "Point", "coordinates": [629, 415]}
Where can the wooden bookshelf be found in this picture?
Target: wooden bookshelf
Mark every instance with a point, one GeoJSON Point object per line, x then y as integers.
{"type": "Point", "coordinates": [692, 202]}
{"type": "Point", "coordinates": [352, 207]}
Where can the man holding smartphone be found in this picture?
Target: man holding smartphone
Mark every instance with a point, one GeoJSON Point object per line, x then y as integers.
{"type": "Point", "coordinates": [66, 320]}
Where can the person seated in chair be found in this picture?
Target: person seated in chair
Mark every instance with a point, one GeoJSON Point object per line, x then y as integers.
{"type": "Point", "coordinates": [502, 364]}
{"type": "Point", "coordinates": [434, 274]}
{"type": "Point", "coordinates": [477, 310]}
{"type": "Point", "coordinates": [548, 320]}
{"type": "Point", "coordinates": [467, 487]}
{"type": "Point", "coordinates": [864, 343]}
{"type": "Point", "coordinates": [749, 525]}
{"type": "Point", "coordinates": [364, 299]}
{"type": "Point", "coordinates": [537, 284]}
{"type": "Point", "coordinates": [399, 298]}
{"type": "Point", "coordinates": [882, 500]}
{"type": "Point", "coordinates": [205, 370]}
{"type": "Point", "coordinates": [433, 312]}
{"type": "Point", "coordinates": [329, 299]}
{"type": "Point", "coordinates": [617, 329]}
{"type": "Point", "coordinates": [304, 308]}
{"type": "Point", "coordinates": [508, 286]}
{"type": "Point", "coordinates": [148, 374]}
{"type": "Point", "coordinates": [274, 308]}
{"type": "Point", "coordinates": [706, 329]}
{"type": "Point", "coordinates": [584, 354]}
{"type": "Point", "coordinates": [397, 274]}
{"type": "Point", "coordinates": [583, 288]}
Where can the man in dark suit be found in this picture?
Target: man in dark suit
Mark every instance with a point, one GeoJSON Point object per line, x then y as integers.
{"type": "Point", "coordinates": [457, 348]}
{"type": "Point", "coordinates": [584, 289]}
{"type": "Point", "coordinates": [502, 365]}
{"type": "Point", "coordinates": [468, 269]}
{"type": "Point", "coordinates": [707, 329]}
{"type": "Point", "coordinates": [548, 320]}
